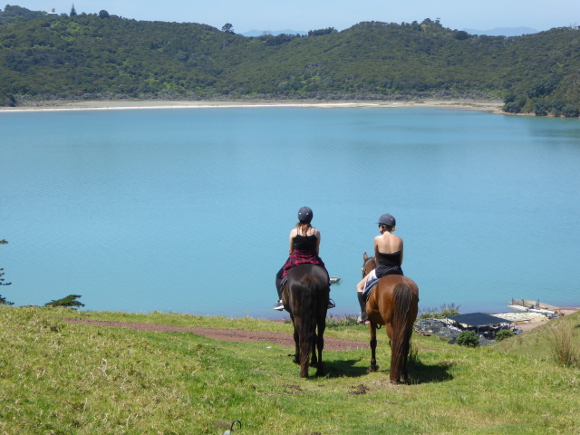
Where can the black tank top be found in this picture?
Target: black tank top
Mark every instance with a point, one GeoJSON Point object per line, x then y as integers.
{"type": "Point", "coordinates": [305, 243]}
{"type": "Point", "coordinates": [389, 264]}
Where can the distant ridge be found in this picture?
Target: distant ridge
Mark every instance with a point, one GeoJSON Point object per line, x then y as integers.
{"type": "Point", "coordinates": [254, 33]}
{"type": "Point", "coordinates": [503, 31]}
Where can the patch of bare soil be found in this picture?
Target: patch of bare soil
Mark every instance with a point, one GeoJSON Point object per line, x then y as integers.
{"type": "Point", "coordinates": [235, 335]}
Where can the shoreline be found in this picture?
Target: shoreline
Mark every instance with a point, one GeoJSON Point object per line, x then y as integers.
{"type": "Point", "coordinates": [493, 106]}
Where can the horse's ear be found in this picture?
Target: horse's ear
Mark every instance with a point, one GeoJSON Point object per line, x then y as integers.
{"type": "Point", "coordinates": [365, 256]}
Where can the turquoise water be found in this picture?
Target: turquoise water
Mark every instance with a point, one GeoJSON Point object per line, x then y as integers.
{"type": "Point", "coordinates": [189, 210]}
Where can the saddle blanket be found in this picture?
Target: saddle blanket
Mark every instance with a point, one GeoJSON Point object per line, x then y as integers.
{"type": "Point", "coordinates": [370, 284]}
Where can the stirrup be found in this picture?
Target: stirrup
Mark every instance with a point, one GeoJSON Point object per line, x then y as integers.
{"type": "Point", "coordinates": [331, 304]}
{"type": "Point", "coordinates": [279, 306]}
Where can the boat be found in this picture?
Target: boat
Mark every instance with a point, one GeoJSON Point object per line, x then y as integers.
{"type": "Point", "coordinates": [334, 279]}
{"type": "Point", "coordinates": [529, 306]}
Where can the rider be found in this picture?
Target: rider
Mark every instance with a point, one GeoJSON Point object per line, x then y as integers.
{"type": "Point", "coordinates": [388, 256]}
{"type": "Point", "coordinates": [304, 246]}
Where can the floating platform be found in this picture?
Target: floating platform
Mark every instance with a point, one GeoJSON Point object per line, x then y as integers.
{"type": "Point", "coordinates": [531, 306]}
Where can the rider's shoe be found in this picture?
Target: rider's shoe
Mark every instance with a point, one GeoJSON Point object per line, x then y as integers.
{"type": "Point", "coordinates": [331, 304]}
{"type": "Point", "coordinates": [363, 319]}
{"type": "Point", "coordinates": [279, 306]}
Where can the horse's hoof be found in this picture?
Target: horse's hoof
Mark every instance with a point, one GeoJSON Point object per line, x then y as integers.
{"type": "Point", "coordinates": [372, 369]}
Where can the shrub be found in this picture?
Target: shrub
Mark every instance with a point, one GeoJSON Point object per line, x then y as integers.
{"type": "Point", "coordinates": [562, 347]}
{"type": "Point", "coordinates": [444, 312]}
{"type": "Point", "coordinates": [503, 334]}
{"type": "Point", "coordinates": [468, 339]}
{"type": "Point", "coordinates": [335, 322]}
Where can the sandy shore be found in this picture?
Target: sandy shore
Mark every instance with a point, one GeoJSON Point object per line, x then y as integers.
{"type": "Point", "coordinates": [459, 104]}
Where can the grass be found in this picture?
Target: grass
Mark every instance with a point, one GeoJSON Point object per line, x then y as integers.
{"type": "Point", "coordinates": [63, 378]}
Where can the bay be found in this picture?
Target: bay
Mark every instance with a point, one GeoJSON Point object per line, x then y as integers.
{"type": "Point", "coordinates": [189, 210]}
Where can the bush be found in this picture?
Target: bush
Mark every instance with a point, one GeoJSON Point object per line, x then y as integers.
{"type": "Point", "coordinates": [562, 346]}
{"type": "Point", "coordinates": [336, 322]}
{"type": "Point", "coordinates": [444, 312]}
{"type": "Point", "coordinates": [468, 339]}
{"type": "Point", "coordinates": [503, 334]}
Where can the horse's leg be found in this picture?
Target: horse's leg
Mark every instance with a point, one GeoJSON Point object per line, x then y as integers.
{"type": "Point", "coordinates": [320, 345]}
{"type": "Point", "coordinates": [314, 361]}
{"type": "Point", "coordinates": [373, 343]}
{"type": "Point", "coordinates": [296, 340]}
{"type": "Point", "coordinates": [405, 371]}
{"type": "Point", "coordinates": [390, 332]}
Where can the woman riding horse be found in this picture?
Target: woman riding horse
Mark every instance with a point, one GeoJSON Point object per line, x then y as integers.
{"type": "Point", "coordinates": [304, 247]}
{"type": "Point", "coordinates": [389, 257]}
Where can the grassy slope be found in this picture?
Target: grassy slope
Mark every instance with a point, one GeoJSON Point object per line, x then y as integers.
{"type": "Point", "coordinates": [67, 378]}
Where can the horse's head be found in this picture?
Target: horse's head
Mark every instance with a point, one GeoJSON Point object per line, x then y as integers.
{"type": "Point", "coordinates": [369, 264]}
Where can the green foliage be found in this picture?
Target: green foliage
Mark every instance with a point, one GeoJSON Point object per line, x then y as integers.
{"type": "Point", "coordinates": [228, 28]}
{"type": "Point", "coordinates": [562, 346]}
{"type": "Point", "coordinates": [338, 322]}
{"type": "Point", "coordinates": [69, 301]}
{"type": "Point", "coordinates": [16, 13]}
{"type": "Point", "coordinates": [89, 57]}
{"type": "Point", "coordinates": [468, 339]}
{"type": "Point", "coordinates": [3, 300]}
{"type": "Point", "coordinates": [570, 111]}
{"type": "Point", "coordinates": [442, 313]}
{"type": "Point", "coordinates": [503, 334]}
{"type": "Point", "coordinates": [321, 32]}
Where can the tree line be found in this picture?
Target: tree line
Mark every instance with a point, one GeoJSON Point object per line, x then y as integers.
{"type": "Point", "coordinates": [103, 56]}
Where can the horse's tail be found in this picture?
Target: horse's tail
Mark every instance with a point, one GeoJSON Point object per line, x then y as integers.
{"type": "Point", "coordinates": [308, 290]}
{"type": "Point", "coordinates": [402, 330]}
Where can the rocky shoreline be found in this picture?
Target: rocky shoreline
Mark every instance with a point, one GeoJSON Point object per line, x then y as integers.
{"type": "Point", "coordinates": [522, 322]}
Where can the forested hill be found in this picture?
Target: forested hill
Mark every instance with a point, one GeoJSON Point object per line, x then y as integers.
{"type": "Point", "coordinates": [104, 56]}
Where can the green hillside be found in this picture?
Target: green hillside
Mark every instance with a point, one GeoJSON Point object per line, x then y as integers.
{"type": "Point", "coordinates": [59, 376]}
{"type": "Point", "coordinates": [97, 56]}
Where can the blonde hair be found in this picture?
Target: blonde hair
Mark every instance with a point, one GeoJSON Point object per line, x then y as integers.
{"type": "Point", "coordinates": [387, 228]}
{"type": "Point", "coordinates": [302, 228]}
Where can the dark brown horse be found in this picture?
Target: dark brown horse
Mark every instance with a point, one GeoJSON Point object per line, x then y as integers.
{"type": "Point", "coordinates": [305, 297]}
{"type": "Point", "coordinates": [394, 303]}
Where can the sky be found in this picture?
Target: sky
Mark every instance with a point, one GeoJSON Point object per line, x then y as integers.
{"type": "Point", "coordinates": [305, 15]}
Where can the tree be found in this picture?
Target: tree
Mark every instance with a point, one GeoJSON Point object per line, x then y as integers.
{"type": "Point", "coordinates": [69, 301]}
{"type": "Point", "coordinates": [73, 12]}
{"type": "Point", "coordinates": [570, 111]}
{"type": "Point", "coordinates": [3, 300]}
{"type": "Point", "coordinates": [103, 14]}
{"type": "Point", "coordinates": [228, 28]}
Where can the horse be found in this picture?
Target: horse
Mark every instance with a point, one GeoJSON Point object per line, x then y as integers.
{"type": "Point", "coordinates": [305, 297]}
{"type": "Point", "coordinates": [395, 303]}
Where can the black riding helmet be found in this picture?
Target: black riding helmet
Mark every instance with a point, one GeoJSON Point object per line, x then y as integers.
{"type": "Point", "coordinates": [387, 220]}
{"type": "Point", "coordinates": [305, 215]}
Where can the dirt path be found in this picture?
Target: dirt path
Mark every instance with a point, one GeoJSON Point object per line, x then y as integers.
{"type": "Point", "coordinates": [235, 335]}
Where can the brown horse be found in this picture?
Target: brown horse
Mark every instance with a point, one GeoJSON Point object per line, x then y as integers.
{"type": "Point", "coordinates": [305, 297]}
{"type": "Point", "coordinates": [394, 302]}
